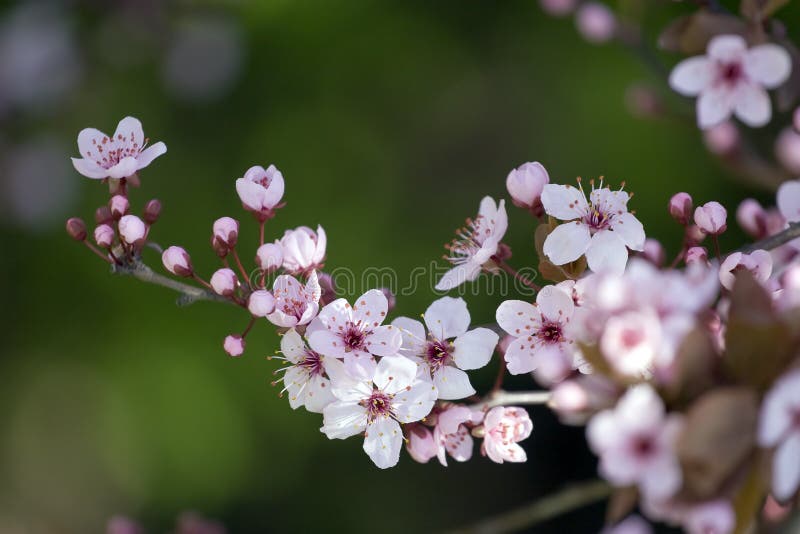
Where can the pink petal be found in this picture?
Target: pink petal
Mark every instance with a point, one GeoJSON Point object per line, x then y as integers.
{"type": "Point", "coordinates": [788, 200]}
{"type": "Point", "coordinates": [274, 193]}
{"type": "Point", "coordinates": [713, 106]}
{"type": "Point", "coordinates": [628, 227]}
{"type": "Point", "coordinates": [452, 418]}
{"type": "Point", "coordinates": [89, 139]}
{"type": "Point", "coordinates": [384, 341]}
{"type": "Point", "coordinates": [459, 274]}
{"type": "Point", "coordinates": [89, 168]}
{"type": "Point", "coordinates": [370, 308]}
{"type": "Point", "coordinates": [768, 64]}
{"type": "Point", "coordinates": [327, 343]}
{"type": "Point", "coordinates": [150, 153]}
{"type": "Point", "coordinates": [130, 129]}
{"type": "Point", "coordinates": [359, 365]}
{"type": "Point", "coordinates": [563, 202]}
{"type": "Point", "coordinates": [567, 243]}
{"type": "Point", "coordinates": [786, 468]}
{"type": "Point", "coordinates": [752, 105]}
{"type": "Point", "coordinates": [520, 357]}
{"type": "Point", "coordinates": [126, 167]}
{"type": "Point", "coordinates": [413, 335]}
{"type": "Point", "coordinates": [447, 318]}
{"type": "Point", "coordinates": [692, 75]}
{"type": "Point", "coordinates": [555, 304]}
{"type": "Point", "coordinates": [459, 445]}
{"type": "Point", "coordinates": [395, 374]}
{"type": "Point", "coordinates": [249, 193]}
{"type": "Point", "coordinates": [474, 349]}
{"type": "Point", "coordinates": [726, 48]}
{"type": "Point", "coordinates": [416, 402]}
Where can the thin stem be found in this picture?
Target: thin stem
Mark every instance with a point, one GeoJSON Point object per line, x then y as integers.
{"type": "Point", "coordinates": [96, 251]}
{"type": "Point", "coordinates": [715, 238]}
{"type": "Point", "coordinates": [189, 294]}
{"type": "Point", "coordinates": [546, 508]}
{"type": "Point", "coordinates": [513, 272]}
{"type": "Point", "coordinates": [774, 241]}
{"type": "Point", "coordinates": [501, 373]}
{"type": "Point", "coordinates": [249, 326]}
{"type": "Point", "coordinates": [203, 282]}
{"type": "Point", "coordinates": [507, 398]}
{"type": "Point", "coordinates": [261, 232]}
{"type": "Point", "coordinates": [240, 266]}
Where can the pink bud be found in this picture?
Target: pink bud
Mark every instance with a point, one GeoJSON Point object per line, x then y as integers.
{"type": "Point", "coordinates": [152, 211]}
{"type": "Point", "coordinates": [103, 215]}
{"type": "Point", "coordinates": [261, 303]}
{"type": "Point", "coordinates": [225, 234]}
{"type": "Point", "coordinates": [328, 287]}
{"type": "Point", "coordinates": [119, 206]}
{"type": "Point", "coordinates": [390, 298]}
{"type": "Point", "coordinates": [123, 525]}
{"type": "Point", "coordinates": [722, 139]}
{"type": "Point", "coordinates": [224, 282]}
{"type": "Point", "coordinates": [558, 8]}
{"type": "Point", "coordinates": [132, 229]}
{"type": "Point", "coordinates": [758, 262]}
{"type": "Point", "coordinates": [797, 119]}
{"type": "Point", "coordinates": [576, 399]}
{"type": "Point", "coordinates": [76, 229]}
{"type": "Point", "coordinates": [697, 255]}
{"type": "Point", "coordinates": [694, 235]}
{"type": "Point", "coordinates": [787, 150]}
{"type": "Point", "coordinates": [104, 235]}
{"type": "Point", "coordinates": [654, 252]}
{"type": "Point", "coordinates": [595, 22]}
{"type": "Point", "coordinates": [176, 260]}
{"type": "Point", "coordinates": [642, 101]}
{"type": "Point", "coordinates": [525, 184]}
{"type": "Point", "coordinates": [711, 218]}
{"type": "Point", "coordinates": [505, 342]}
{"type": "Point", "coordinates": [269, 256]}
{"type": "Point", "coordinates": [234, 345]}
{"type": "Point", "coordinates": [420, 445]}
{"type": "Point", "coordinates": [680, 207]}
{"type": "Point", "coordinates": [752, 217]}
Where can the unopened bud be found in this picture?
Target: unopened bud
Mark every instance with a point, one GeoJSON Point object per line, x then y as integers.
{"type": "Point", "coordinates": [328, 287]}
{"type": "Point", "coordinates": [132, 229]}
{"type": "Point", "coordinates": [525, 184]}
{"type": "Point", "coordinates": [751, 216]}
{"type": "Point", "coordinates": [177, 261]}
{"type": "Point", "coordinates": [225, 233]}
{"type": "Point", "coordinates": [654, 252]}
{"type": "Point", "coordinates": [76, 229]}
{"type": "Point", "coordinates": [261, 303]}
{"type": "Point", "coordinates": [711, 218]}
{"type": "Point", "coordinates": [102, 215]}
{"type": "Point", "coordinates": [152, 210]}
{"type": "Point", "coordinates": [104, 235]}
{"type": "Point", "coordinates": [680, 207]}
{"type": "Point", "coordinates": [119, 206]}
{"type": "Point", "coordinates": [234, 345]}
{"type": "Point", "coordinates": [722, 139]}
{"type": "Point", "coordinates": [596, 22]}
{"type": "Point", "coordinates": [224, 282]}
{"type": "Point", "coordinates": [269, 256]}
{"type": "Point", "coordinates": [696, 255]}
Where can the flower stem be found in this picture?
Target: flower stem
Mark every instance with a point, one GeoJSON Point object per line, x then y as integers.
{"type": "Point", "coordinates": [240, 266]}
{"type": "Point", "coordinates": [501, 374]}
{"type": "Point", "coordinates": [508, 398]}
{"type": "Point", "coordinates": [189, 294]}
{"type": "Point", "coordinates": [513, 272]}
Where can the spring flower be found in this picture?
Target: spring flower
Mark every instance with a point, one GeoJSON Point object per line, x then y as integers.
{"type": "Point", "coordinates": [788, 200]}
{"type": "Point", "coordinates": [595, 22]}
{"type": "Point", "coordinates": [538, 330]}
{"type": "Point", "coordinates": [711, 218]}
{"type": "Point", "coordinates": [722, 139]}
{"type": "Point", "coordinates": [355, 333]}
{"type": "Point", "coordinates": [635, 443]}
{"type": "Point", "coordinates": [419, 443]}
{"type": "Point", "coordinates": [176, 260]}
{"type": "Point", "coordinates": [225, 234]}
{"type": "Point", "coordinates": [505, 427]}
{"type": "Point", "coordinates": [525, 184]}
{"type": "Point", "coordinates": [261, 303]}
{"type": "Point", "coordinates": [451, 436]}
{"type": "Point", "coordinates": [305, 378]}
{"type": "Point", "coordinates": [787, 150]}
{"type": "Point", "coordinates": [104, 235]}
{"type": "Point", "coordinates": [732, 79]}
{"type": "Point", "coordinates": [269, 256]}
{"type": "Point", "coordinates": [119, 156]}
{"type": "Point", "coordinates": [224, 282]}
{"type": "Point", "coordinates": [631, 341]}
{"type": "Point", "coordinates": [303, 249]}
{"type": "Point", "coordinates": [680, 207]}
{"type": "Point", "coordinates": [601, 229]}
{"type": "Point", "coordinates": [392, 395]}
{"type": "Point", "coordinates": [119, 206]}
{"type": "Point", "coordinates": [233, 345]}
{"type": "Point", "coordinates": [714, 517]}
{"type": "Point", "coordinates": [295, 304]}
{"type": "Point", "coordinates": [132, 229]}
{"type": "Point", "coordinates": [779, 428]}
{"type": "Point", "coordinates": [758, 262]}
{"type": "Point", "coordinates": [475, 244]}
{"type": "Point", "coordinates": [260, 190]}
{"type": "Point", "coordinates": [448, 348]}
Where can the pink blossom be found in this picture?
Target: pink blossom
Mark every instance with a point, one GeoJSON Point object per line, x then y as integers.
{"type": "Point", "coordinates": [635, 443]}
{"type": "Point", "coordinates": [504, 427]}
{"type": "Point", "coordinates": [697, 255]}
{"type": "Point", "coordinates": [448, 349]}
{"type": "Point", "coordinates": [558, 8]}
{"type": "Point", "coordinates": [601, 229]}
{"type": "Point", "coordinates": [525, 184]}
{"type": "Point", "coordinates": [631, 341]}
{"type": "Point", "coordinates": [475, 244]}
{"type": "Point", "coordinates": [787, 150]}
{"type": "Point", "coordinates": [750, 216]}
{"type": "Point", "coordinates": [132, 229]}
{"type": "Point", "coordinates": [119, 206]}
{"type": "Point", "coordinates": [788, 200]}
{"type": "Point", "coordinates": [722, 139]}
{"type": "Point", "coordinates": [451, 436]}
{"type": "Point", "coordinates": [303, 249]}
{"type": "Point", "coordinates": [596, 22]}
{"type": "Point", "coordinates": [631, 525]}
{"type": "Point", "coordinates": [796, 120]}
{"type": "Point", "coordinates": [119, 156]}
{"type": "Point", "coordinates": [269, 256]}
{"type": "Point", "coordinates": [391, 395]}
{"type": "Point", "coordinates": [539, 330]}
{"type": "Point", "coordinates": [732, 79]}
{"type": "Point", "coordinates": [680, 207]}
{"type": "Point", "coordinates": [714, 517]}
{"type": "Point", "coordinates": [176, 260]}
{"type": "Point", "coordinates": [419, 443]}
{"type": "Point", "coordinates": [295, 304]}
{"type": "Point", "coordinates": [261, 303]}
{"type": "Point", "coordinates": [260, 190]}
{"type": "Point", "coordinates": [779, 428]}
{"type": "Point", "coordinates": [104, 235]}
{"type": "Point", "coordinates": [355, 333]}
{"type": "Point", "coordinates": [654, 252]}
{"type": "Point", "coordinates": [123, 525]}
{"type": "Point", "coordinates": [789, 295]}
{"type": "Point", "coordinates": [225, 233]}
{"type": "Point", "coordinates": [305, 378]}
{"type": "Point", "coordinates": [711, 218]}
{"type": "Point", "coordinates": [151, 211]}
{"type": "Point", "coordinates": [234, 345]}
{"type": "Point", "coordinates": [758, 262]}
{"type": "Point", "coordinates": [224, 282]}
{"type": "Point", "coordinates": [575, 399]}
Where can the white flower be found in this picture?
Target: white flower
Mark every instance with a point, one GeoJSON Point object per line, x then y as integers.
{"type": "Point", "coordinates": [440, 358]}
{"type": "Point", "coordinates": [475, 244]}
{"type": "Point", "coordinates": [731, 78]}
{"type": "Point", "coordinates": [295, 304]}
{"type": "Point", "coordinates": [305, 378]}
{"type": "Point", "coordinates": [601, 228]}
{"type": "Point", "coordinates": [392, 396]}
{"type": "Point", "coordinates": [303, 249]}
{"type": "Point", "coordinates": [779, 427]}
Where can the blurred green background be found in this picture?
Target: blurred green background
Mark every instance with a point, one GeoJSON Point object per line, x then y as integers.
{"type": "Point", "coordinates": [389, 120]}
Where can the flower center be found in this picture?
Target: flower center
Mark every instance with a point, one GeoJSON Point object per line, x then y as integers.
{"type": "Point", "coordinates": [437, 354]}
{"type": "Point", "coordinates": [731, 73]}
{"type": "Point", "coordinates": [643, 446]}
{"type": "Point", "coordinates": [264, 181]}
{"type": "Point", "coordinates": [378, 404]}
{"type": "Point", "coordinates": [468, 240]}
{"type": "Point", "coordinates": [550, 333]}
{"type": "Point", "coordinates": [632, 337]}
{"type": "Point", "coordinates": [353, 338]}
{"type": "Point", "coordinates": [312, 363]}
{"type": "Point", "coordinates": [597, 219]}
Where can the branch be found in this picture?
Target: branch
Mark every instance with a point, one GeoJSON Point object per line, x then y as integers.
{"type": "Point", "coordinates": [508, 398]}
{"type": "Point", "coordinates": [774, 241]}
{"type": "Point", "coordinates": [189, 294]}
{"type": "Point", "coordinates": [546, 508]}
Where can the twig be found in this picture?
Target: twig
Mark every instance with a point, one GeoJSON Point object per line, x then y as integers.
{"type": "Point", "coordinates": [546, 508]}
{"type": "Point", "coordinates": [774, 241]}
{"type": "Point", "coordinates": [189, 294]}
{"type": "Point", "coordinates": [507, 398]}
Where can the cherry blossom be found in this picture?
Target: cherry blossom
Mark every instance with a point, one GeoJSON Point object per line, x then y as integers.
{"type": "Point", "coordinates": [224, 282]}
{"type": "Point", "coordinates": [303, 249]}
{"type": "Point", "coordinates": [451, 436]}
{"type": "Point", "coordinates": [234, 345]}
{"type": "Point", "coordinates": [602, 228]}
{"type": "Point", "coordinates": [305, 378]}
{"type": "Point", "coordinates": [732, 79]}
{"type": "Point", "coordinates": [176, 260]}
{"type": "Point", "coordinates": [356, 333]}
{"type": "Point", "coordinates": [261, 303]}
{"type": "Point", "coordinates": [758, 262]}
{"type": "Point", "coordinates": [714, 517]}
{"type": "Point", "coordinates": [711, 218]}
{"type": "Point", "coordinates": [419, 443]}
{"type": "Point", "coordinates": [475, 244]}
{"type": "Point", "coordinates": [680, 207]}
{"type": "Point", "coordinates": [504, 427]}
{"type": "Point", "coordinates": [788, 200]}
{"type": "Point", "coordinates": [225, 233]}
{"type": "Point", "coordinates": [525, 184]}
{"type": "Point", "coordinates": [269, 256]}
{"type": "Point", "coordinates": [787, 150]}
{"type": "Point", "coordinates": [119, 156]}
{"type": "Point", "coordinates": [779, 428]}
{"type": "Point", "coordinates": [377, 406]}
{"type": "Point", "coordinates": [635, 443]}
{"type": "Point", "coordinates": [538, 331]}
{"type": "Point", "coordinates": [104, 235]}
{"type": "Point", "coordinates": [295, 304]}
{"type": "Point", "coordinates": [449, 348]}
{"type": "Point", "coordinates": [132, 229]}
{"type": "Point", "coordinates": [260, 190]}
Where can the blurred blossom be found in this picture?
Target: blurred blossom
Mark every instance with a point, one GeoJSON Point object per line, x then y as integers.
{"type": "Point", "coordinates": [123, 525]}
{"type": "Point", "coordinates": [204, 59]}
{"type": "Point", "coordinates": [722, 139]}
{"type": "Point", "coordinates": [29, 170]}
{"type": "Point", "coordinates": [787, 150]}
{"type": "Point", "coordinates": [194, 523]}
{"type": "Point", "coordinates": [797, 119]}
{"type": "Point", "coordinates": [595, 22]}
{"type": "Point", "coordinates": [39, 61]}
{"type": "Point", "coordinates": [643, 101]}
{"type": "Point", "coordinates": [558, 8]}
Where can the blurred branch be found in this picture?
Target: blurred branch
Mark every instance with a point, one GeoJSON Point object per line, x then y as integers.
{"type": "Point", "coordinates": [189, 294]}
{"type": "Point", "coordinates": [774, 241]}
{"type": "Point", "coordinates": [509, 398]}
{"type": "Point", "coordinates": [546, 508]}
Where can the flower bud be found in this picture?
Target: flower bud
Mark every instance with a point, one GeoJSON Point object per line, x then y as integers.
{"type": "Point", "coordinates": [233, 345]}
{"type": "Point", "coordinates": [525, 184]}
{"type": "Point", "coordinates": [722, 139]}
{"type": "Point", "coordinates": [269, 256]}
{"type": "Point", "coordinates": [224, 236]}
{"type": "Point", "coordinates": [328, 287]}
{"type": "Point", "coordinates": [224, 282]}
{"type": "Point", "coordinates": [420, 444]}
{"type": "Point", "coordinates": [558, 8]}
{"type": "Point", "coordinates": [797, 119]}
{"type": "Point", "coordinates": [119, 206]}
{"type": "Point", "coordinates": [390, 298]}
{"type": "Point", "coordinates": [176, 260]}
{"type": "Point", "coordinates": [711, 218]}
{"type": "Point", "coordinates": [643, 102]}
{"type": "Point", "coordinates": [694, 235]}
{"type": "Point", "coordinates": [102, 215]}
{"type": "Point", "coordinates": [76, 229]}
{"type": "Point", "coordinates": [654, 252]}
{"type": "Point", "coordinates": [152, 210]}
{"type": "Point", "coordinates": [787, 150]}
{"type": "Point", "coordinates": [680, 207]}
{"type": "Point", "coordinates": [132, 229]}
{"type": "Point", "coordinates": [261, 303]}
{"type": "Point", "coordinates": [104, 235]}
{"type": "Point", "coordinates": [696, 255]}
{"type": "Point", "coordinates": [595, 22]}
{"type": "Point", "coordinates": [752, 218]}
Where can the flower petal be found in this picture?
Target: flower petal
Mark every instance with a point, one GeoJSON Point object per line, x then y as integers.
{"type": "Point", "coordinates": [395, 374]}
{"type": "Point", "coordinates": [126, 167]}
{"type": "Point", "coordinates": [447, 318]}
{"type": "Point", "coordinates": [370, 308]}
{"type": "Point", "coordinates": [452, 383]}
{"type": "Point", "coordinates": [413, 335]}
{"type": "Point", "coordinates": [250, 193]}
{"type": "Point", "coordinates": [416, 402]}
{"type": "Point", "coordinates": [752, 105]}
{"type": "Point", "coordinates": [129, 133]}
{"type": "Point", "coordinates": [786, 468]}
{"type": "Point", "coordinates": [360, 365]}
{"type": "Point", "coordinates": [692, 75]}
{"type": "Point", "coordinates": [607, 252]}
{"type": "Point", "coordinates": [383, 441]}
{"type": "Point", "coordinates": [727, 48]}
{"type": "Point", "coordinates": [788, 200]}
{"type": "Point", "coordinates": [567, 242]}
{"type": "Point", "coordinates": [318, 394]}
{"type": "Point", "coordinates": [474, 349]}
{"type": "Point", "coordinates": [150, 153]}
{"type": "Point", "coordinates": [517, 317]}
{"type": "Point", "coordinates": [293, 346]}
{"type": "Point", "coordinates": [343, 419]}
{"type": "Point", "coordinates": [521, 356]}
{"type": "Point", "coordinates": [327, 343]}
{"type": "Point", "coordinates": [563, 202]}
{"type": "Point", "coordinates": [555, 304]}
{"type": "Point", "coordinates": [89, 168]}
{"type": "Point", "coordinates": [384, 341]}
{"type": "Point", "coordinates": [768, 64]}
{"type": "Point", "coordinates": [465, 272]}
{"type": "Point", "coordinates": [714, 106]}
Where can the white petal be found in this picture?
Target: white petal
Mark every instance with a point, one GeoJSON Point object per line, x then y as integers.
{"type": "Point", "coordinates": [607, 253]}
{"type": "Point", "coordinates": [360, 365]}
{"type": "Point", "coordinates": [413, 335]}
{"type": "Point", "coordinates": [327, 343]}
{"type": "Point", "coordinates": [459, 445]}
{"type": "Point", "coordinates": [727, 48]}
{"type": "Point", "coordinates": [752, 105]}
{"type": "Point", "coordinates": [89, 139]}
{"type": "Point", "coordinates": [318, 394]}
{"type": "Point", "coordinates": [692, 75]}
{"type": "Point", "coordinates": [768, 64]}
{"type": "Point", "coordinates": [713, 106]}
{"type": "Point", "coordinates": [555, 304]}
{"type": "Point", "coordinates": [343, 419]}
{"type": "Point", "coordinates": [474, 349]}
{"type": "Point", "coordinates": [335, 314]}
{"type": "Point", "coordinates": [126, 167]}
{"type": "Point", "coordinates": [563, 202]}
{"type": "Point", "coordinates": [296, 381]}
{"type": "Point", "coordinates": [322, 243]}
{"type": "Point", "coordinates": [567, 242]}
{"type": "Point", "coordinates": [452, 383]}
{"type": "Point", "coordinates": [394, 374]}
{"type": "Point", "coordinates": [450, 419]}
{"type": "Point", "coordinates": [447, 318]}
{"type": "Point", "coordinates": [517, 317]}
{"type": "Point", "coordinates": [521, 356]}
{"type": "Point", "coordinates": [150, 153]}
{"type": "Point", "coordinates": [131, 129]}
{"type": "Point", "coordinates": [786, 468]}
{"type": "Point", "coordinates": [628, 227]}
{"type": "Point", "coordinates": [416, 402]}
{"type": "Point", "coordinates": [293, 346]}
{"type": "Point", "coordinates": [383, 441]}
{"type": "Point", "coordinates": [602, 432]}
{"type": "Point", "coordinates": [788, 200]}
{"type": "Point", "coordinates": [464, 272]}
{"type": "Point", "coordinates": [370, 308]}
{"type": "Point", "coordinates": [384, 341]}
{"type": "Point", "coordinates": [89, 168]}
{"type": "Point", "coordinates": [274, 193]}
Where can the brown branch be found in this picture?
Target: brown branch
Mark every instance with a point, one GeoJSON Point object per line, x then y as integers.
{"type": "Point", "coordinates": [774, 241]}
{"type": "Point", "coordinates": [509, 398]}
{"type": "Point", "coordinates": [189, 294]}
